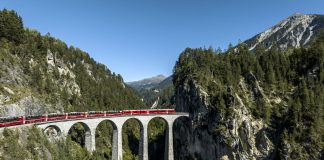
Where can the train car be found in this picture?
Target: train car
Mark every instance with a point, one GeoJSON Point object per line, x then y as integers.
{"type": "Point", "coordinates": [126, 112]}
{"type": "Point", "coordinates": [154, 111]}
{"type": "Point", "coordinates": [161, 111]}
{"type": "Point", "coordinates": [131, 112]}
{"type": "Point", "coordinates": [96, 114]}
{"type": "Point", "coordinates": [148, 111]}
{"type": "Point", "coordinates": [11, 121]}
{"type": "Point", "coordinates": [136, 112]}
{"type": "Point", "coordinates": [76, 115]}
{"type": "Point", "coordinates": [35, 119]}
{"type": "Point", "coordinates": [166, 111]}
{"type": "Point", "coordinates": [114, 113]}
{"type": "Point", "coordinates": [57, 116]}
{"type": "Point", "coordinates": [145, 111]}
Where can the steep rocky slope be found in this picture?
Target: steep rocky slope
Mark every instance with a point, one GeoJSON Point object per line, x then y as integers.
{"type": "Point", "coordinates": [214, 135]}
{"type": "Point", "coordinates": [295, 31]}
{"type": "Point", "coordinates": [247, 105]}
{"type": "Point", "coordinates": [41, 74]}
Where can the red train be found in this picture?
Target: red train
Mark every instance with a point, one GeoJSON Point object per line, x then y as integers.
{"type": "Point", "coordinates": [13, 121]}
{"type": "Point", "coordinates": [148, 111]}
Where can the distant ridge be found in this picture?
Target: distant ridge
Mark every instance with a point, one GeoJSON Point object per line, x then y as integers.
{"type": "Point", "coordinates": [147, 83]}
{"type": "Point", "coordinates": [156, 91]}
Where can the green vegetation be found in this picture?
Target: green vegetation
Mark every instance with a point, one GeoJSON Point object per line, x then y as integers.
{"type": "Point", "coordinates": [131, 136]}
{"type": "Point", "coordinates": [65, 76]}
{"type": "Point", "coordinates": [156, 136]}
{"type": "Point", "coordinates": [104, 140]}
{"type": "Point", "coordinates": [31, 143]}
{"type": "Point", "coordinates": [74, 78]}
{"type": "Point", "coordinates": [165, 95]}
{"type": "Point", "coordinates": [163, 92]}
{"type": "Point", "coordinates": [296, 76]}
{"type": "Point", "coordinates": [11, 26]}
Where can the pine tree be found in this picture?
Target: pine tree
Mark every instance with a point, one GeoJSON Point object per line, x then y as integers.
{"type": "Point", "coordinates": [11, 26]}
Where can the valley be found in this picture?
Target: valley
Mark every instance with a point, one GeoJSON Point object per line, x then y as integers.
{"type": "Point", "coordinates": [260, 99]}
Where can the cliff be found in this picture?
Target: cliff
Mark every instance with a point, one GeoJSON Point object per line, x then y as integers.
{"type": "Point", "coordinates": [217, 135]}
{"type": "Point", "coordinates": [250, 105]}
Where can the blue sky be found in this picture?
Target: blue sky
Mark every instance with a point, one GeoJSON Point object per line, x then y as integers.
{"type": "Point", "coordinates": [143, 38]}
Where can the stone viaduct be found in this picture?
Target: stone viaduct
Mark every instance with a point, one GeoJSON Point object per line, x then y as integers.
{"type": "Point", "coordinates": [90, 124]}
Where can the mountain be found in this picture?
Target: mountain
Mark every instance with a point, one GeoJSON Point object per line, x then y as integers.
{"type": "Point", "coordinates": [241, 106]}
{"type": "Point", "coordinates": [156, 91]}
{"type": "Point", "coordinates": [164, 98]}
{"type": "Point", "coordinates": [295, 31]}
{"type": "Point", "coordinates": [167, 82]}
{"type": "Point", "coordinates": [147, 83]}
{"type": "Point", "coordinates": [251, 106]}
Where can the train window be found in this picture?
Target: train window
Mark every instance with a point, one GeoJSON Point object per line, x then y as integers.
{"type": "Point", "coordinates": [33, 117]}
{"type": "Point", "coordinates": [9, 119]}
{"type": "Point", "coordinates": [55, 114]}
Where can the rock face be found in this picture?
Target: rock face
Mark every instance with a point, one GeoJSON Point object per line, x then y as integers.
{"type": "Point", "coordinates": [295, 31]}
{"type": "Point", "coordinates": [69, 83]}
{"type": "Point", "coordinates": [210, 134]}
{"type": "Point", "coordinates": [10, 73]}
{"type": "Point", "coordinates": [16, 96]}
{"type": "Point", "coordinates": [229, 115]}
{"type": "Point", "coordinates": [29, 106]}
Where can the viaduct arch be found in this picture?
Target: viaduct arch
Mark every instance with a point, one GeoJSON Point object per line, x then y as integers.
{"type": "Point", "coordinates": [90, 125]}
